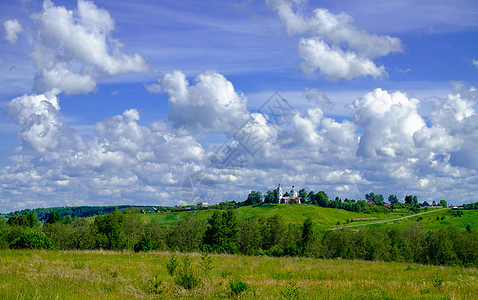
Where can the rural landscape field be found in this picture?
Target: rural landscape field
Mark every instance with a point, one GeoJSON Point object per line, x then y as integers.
{"type": "Point", "coordinates": [261, 251]}
{"type": "Point", "coordinates": [238, 149]}
{"type": "Point", "coordinates": [119, 275]}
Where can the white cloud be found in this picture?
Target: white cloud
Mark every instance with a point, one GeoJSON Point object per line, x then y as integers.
{"type": "Point", "coordinates": [76, 46]}
{"type": "Point", "coordinates": [36, 114]}
{"type": "Point", "coordinates": [389, 122]}
{"type": "Point", "coordinates": [333, 44]}
{"type": "Point", "coordinates": [210, 105]}
{"type": "Point", "coordinates": [61, 77]}
{"type": "Point", "coordinates": [12, 29]}
{"type": "Point", "coordinates": [333, 62]}
{"type": "Point", "coordinates": [475, 62]}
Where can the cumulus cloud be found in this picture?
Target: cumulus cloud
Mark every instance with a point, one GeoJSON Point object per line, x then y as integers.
{"type": "Point", "coordinates": [333, 45]}
{"type": "Point", "coordinates": [333, 62]}
{"type": "Point", "coordinates": [389, 121]}
{"type": "Point", "coordinates": [61, 77]}
{"type": "Point", "coordinates": [211, 104]}
{"type": "Point", "coordinates": [12, 29]}
{"type": "Point", "coordinates": [475, 62]}
{"type": "Point", "coordinates": [37, 117]}
{"type": "Point", "coordinates": [77, 47]}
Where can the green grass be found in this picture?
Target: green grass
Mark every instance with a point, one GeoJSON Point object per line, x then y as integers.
{"type": "Point", "coordinates": [324, 218]}
{"type": "Point", "coordinates": [106, 275]}
{"type": "Point", "coordinates": [430, 222]}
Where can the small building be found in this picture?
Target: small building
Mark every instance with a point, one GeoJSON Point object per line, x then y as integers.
{"type": "Point", "coordinates": [424, 204]}
{"type": "Point", "coordinates": [153, 210]}
{"type": "Point", "coordinates": [292, 199]}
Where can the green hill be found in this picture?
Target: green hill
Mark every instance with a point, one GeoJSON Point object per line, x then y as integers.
{"type": "Point", "coordinates": [327, 218]}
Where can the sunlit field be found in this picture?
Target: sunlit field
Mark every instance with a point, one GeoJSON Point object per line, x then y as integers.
{"type": "Point", "coordinates": [106, 275]}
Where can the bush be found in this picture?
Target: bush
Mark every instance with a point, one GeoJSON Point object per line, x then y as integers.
{"type": "Point", "coordinates": [154, 286]}
{"type": "Point", "coordinates": [292, 250]}
{"type": "Point", "coordinates": [172, 265]}
{"type": "Point", "coordinates": [206, 262]}
{"type": "Point", "coordinates": [186, 276]}
{"type": "Point", "coordinates": [276, 251]}
{"type": "Point", "coordinates": [143, 245]}
{"type": "Point", "coordinates": [237, 287]}
{"type": "Point", "coordinates": [32, 240]}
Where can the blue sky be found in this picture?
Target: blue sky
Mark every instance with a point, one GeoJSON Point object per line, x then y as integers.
{"type": "Point", "coordinates": [120, 102]}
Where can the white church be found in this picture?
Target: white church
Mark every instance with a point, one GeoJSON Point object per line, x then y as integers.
{"type": "Point", "coordinates": [292, 199]}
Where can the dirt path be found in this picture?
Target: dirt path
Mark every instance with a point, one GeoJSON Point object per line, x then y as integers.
{"type": "Point", "coordinates": [391, 220]}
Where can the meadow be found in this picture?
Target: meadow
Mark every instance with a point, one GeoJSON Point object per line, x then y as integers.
{"type": "Point", "coordinates": [35, 274]}
{"type": "Point", "coordinates": [328, 218]}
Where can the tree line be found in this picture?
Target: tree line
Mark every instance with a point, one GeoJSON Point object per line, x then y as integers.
{"type": "Point", "coordinates": [372, 203]}
{"type": "Point", "coordinates": [258, 235]}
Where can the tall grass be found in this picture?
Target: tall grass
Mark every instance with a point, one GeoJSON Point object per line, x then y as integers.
{"type": "Point", "coordinates": [115, 275]}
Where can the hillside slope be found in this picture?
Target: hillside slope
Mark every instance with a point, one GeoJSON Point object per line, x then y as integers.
{"type": "Point", "coordinates": [328, 218]}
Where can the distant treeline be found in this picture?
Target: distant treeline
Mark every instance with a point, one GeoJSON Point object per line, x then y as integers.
{"type": "Point", "coordinates": [224, 233]}
{"type": "Point", "coordinates": [91, 211]}
{"type": "Point", "coordinates": [74, 211]}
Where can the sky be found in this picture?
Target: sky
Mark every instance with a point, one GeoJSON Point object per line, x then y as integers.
{"type": "Point", "coordinates": [177, 102]}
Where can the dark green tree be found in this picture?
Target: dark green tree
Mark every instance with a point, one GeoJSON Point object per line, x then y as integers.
{"type": "Point", "coordinates": [307, 235]}
{"type": "Point", "coordinates": [321, 199]}
{"type": "Point", "coordinates": [221, 233]}
{"type": "Point", "coordinates": [250, 235]}
{"type": "Point", "coordinates": [443, 202]}
{"type": "Point", "coordinates": [303, 195]}
{"type": "Point", "coordinates": [109, 234]}
{"type": "Point", "coordinates": [13, 220]}
{"type": "Point", "coordinates": [143, 244]}
{"type": "Point", "coordinates": [392, 199]}
{"type": "Point", "coordinates": [411, 200]}
{"type": "Point", "coordinates": [273, 230]}
{"type": "Point", "coordinates": [67, 219]}
{"type": "Point", "coordinates": [254, 197]}
{"type": "Point", "coordinates": [311, 198]}
{"type": "Point", "coordinates": [376, 199]}
{"type": "Point", "coordinates": [32, 220]}
{"type": "Point", "coordinates": [185, 236]}
{"type": "Point", "coordinates": [271, 196]}
{"type": "Point", "coordinates": [53, 218]}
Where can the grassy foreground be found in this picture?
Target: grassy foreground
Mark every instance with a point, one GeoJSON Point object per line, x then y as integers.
{"type": "Point", "coordinates": [106, 275]}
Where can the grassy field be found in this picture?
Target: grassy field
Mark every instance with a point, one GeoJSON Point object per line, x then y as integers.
{"type": "Point", "coordinates": [430, 222]}
{"type": "Point", "coordinates": [106, 275]}
{"type": "Point", "coordinates": [327, 218]}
